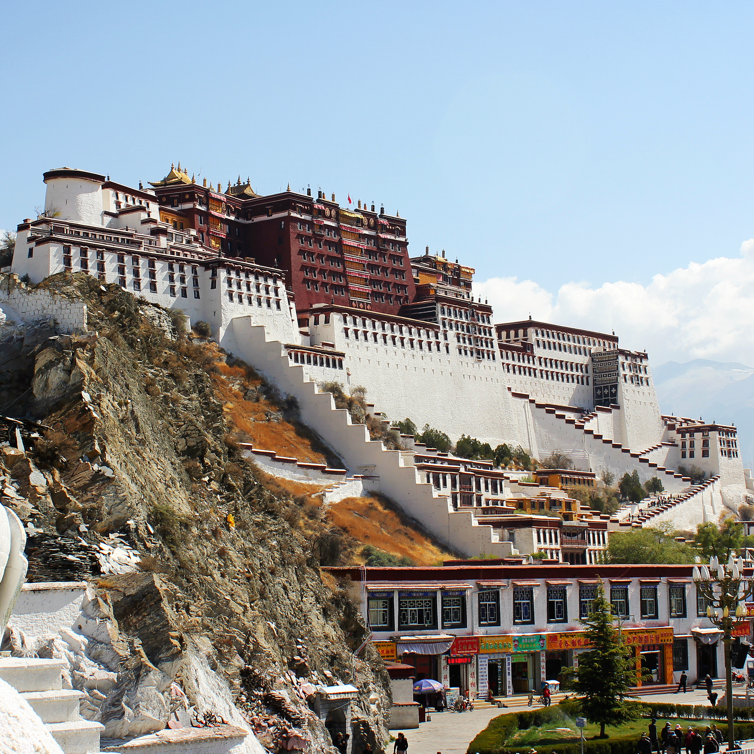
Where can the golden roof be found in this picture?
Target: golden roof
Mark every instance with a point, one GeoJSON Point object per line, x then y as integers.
{"type": "Point", "coordinates": [175, 177]}
{"type": "Point", "coordinates": [243, 190]}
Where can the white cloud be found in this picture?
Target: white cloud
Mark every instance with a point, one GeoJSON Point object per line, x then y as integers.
{"type": "Point", "coordinates": [703, 311]}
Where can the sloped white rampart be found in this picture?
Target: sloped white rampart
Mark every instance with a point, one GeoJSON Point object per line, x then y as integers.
{"type": "Point", "coordinates": [361, 455]}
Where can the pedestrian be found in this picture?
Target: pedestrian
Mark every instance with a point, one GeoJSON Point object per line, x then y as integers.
{"type": "Point", "coordinates": [341, 742]}
{"type": "Point", "coordinates": [664, 736]}
{"type": "Point", "coordinates": [682, 682]}
{"type": "Point", "coordinates": [653, 736]}
{"type": "Point", "coordinates": [367, 749]}
{"type": "Point", "coordinates": [708, 684]}
{"type": "Point", "coordinates": [401, 744]}
{"type": "Point", "coordinates": [710, 745]}
{"type": "Point", "coordinates": [547, 695]}
{"type": "Point", "coordinates": [697, 743]}
{"type": "Point", "coordinates": [688, 739]}
{"type": "Point", "coordinates": [712, 698]}
{"type": "Point", "coordinates": [717, 733]}
{"type": "Point", "coordinates": [645, 745]}
{"type": "Point", "coordinates": [673, 743]}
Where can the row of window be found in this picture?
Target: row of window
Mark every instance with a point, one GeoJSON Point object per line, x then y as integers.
{"type": "Point", "coordinates": [419, 610]}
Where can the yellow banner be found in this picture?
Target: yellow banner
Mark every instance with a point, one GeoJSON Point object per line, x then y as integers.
{"type": "Point", "coordinates": [386, 649]}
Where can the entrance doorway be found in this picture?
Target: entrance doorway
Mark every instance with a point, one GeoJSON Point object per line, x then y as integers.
{"type": "Point", "coordinates": [458, 676]}
{"type": "Point", "coordinates": [520, 674]}
{"type": "Point", "coordinates": [706, 660]}
{"type": "Point", "coordinates": [554, 663]}
{"type": "Point", "coordinates": [495, 677]}
{"type": "Point", "coordinates": [651, 666]}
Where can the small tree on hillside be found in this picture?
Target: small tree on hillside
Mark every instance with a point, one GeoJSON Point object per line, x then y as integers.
{"type": "Point", "coordinates": [630, 487]}
{"type": "Point", "coordinates": [557, 460]}
{"type": "Point", "coordinates": [606, 672]}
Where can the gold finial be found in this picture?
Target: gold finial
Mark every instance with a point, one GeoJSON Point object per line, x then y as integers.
{"type": "Point", "coordinates": [359, 203]}
{"type": "Point", "coordinates": [228, 189]}
{"type": "Point", "coordinates": [172, 166]}
{"type": "Point", "coordinates": [333, 196]}
{"type": "Point", "coordinates": [192, 178]}
{"type": "Point", "coordinates": [210, 186]}
{"type": "Point", "coordinates": [289, 187]}
{"type": "Point", "coordinates": [239, 180]}
{"type": "Point", "coordinates": [179, 166]}
{"type": "Point", "coordinates": [397, 214]}
{"type": "Point", "coordinates": [204, 183]}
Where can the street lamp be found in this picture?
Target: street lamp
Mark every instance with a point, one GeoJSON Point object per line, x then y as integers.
{"type": "Point", "coordinates": [725, 589]}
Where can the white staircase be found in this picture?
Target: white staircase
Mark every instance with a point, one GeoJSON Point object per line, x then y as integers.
{"type": "Point", "coordinates": [40, 683]}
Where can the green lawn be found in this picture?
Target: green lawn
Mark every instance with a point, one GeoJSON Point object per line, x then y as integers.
{"type": "Point", "coordinates": [565, 731]}
{"type": "Point", "coordinates": [554, 729]}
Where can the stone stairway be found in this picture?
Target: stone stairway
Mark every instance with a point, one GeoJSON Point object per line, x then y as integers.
{"type": "Point", "coordinates": [40, 682]}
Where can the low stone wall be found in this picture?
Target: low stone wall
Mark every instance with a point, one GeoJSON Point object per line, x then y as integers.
{"type": "Point", "coordinates": [48, 608]}
{"type": "Point", "coordinates": [41, 305]}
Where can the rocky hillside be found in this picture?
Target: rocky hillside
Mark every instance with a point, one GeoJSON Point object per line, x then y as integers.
{"type": "Point", "coordinates": [133, 459]}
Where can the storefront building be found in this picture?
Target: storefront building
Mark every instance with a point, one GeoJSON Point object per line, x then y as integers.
{"type": "Point", "coordinates": [497, 630]}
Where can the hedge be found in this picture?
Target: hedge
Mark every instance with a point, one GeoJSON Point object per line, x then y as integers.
{"type": "Point", "coordinates": [502, 727]}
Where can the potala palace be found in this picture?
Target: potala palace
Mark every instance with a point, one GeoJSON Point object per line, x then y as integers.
{"type": "Point", "coordinates": [308, 291]}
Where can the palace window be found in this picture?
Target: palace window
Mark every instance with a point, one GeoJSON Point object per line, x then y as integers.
{"type": "Point", "coordinates": [557, 611]}
{"type": "Point", "coordinates": [648, 601]}
{"type": "Point", "coordinates": [677, 594]}
{"type": "Point", "coordinates": [453, 609]}
{"type": "Point", "coordinates": [701, 603]}
{"type": "Point", "coordinates": [417, 610]}
{"type": "Point", "coordinates": [523, 605]}
{"type": "Point", "coordinates": [680, 654]}
{"type": "Point", "coordinates": [619, 601]}
{"type": "Point", "coordinates": [489, 607]}
{"type": "Point", "coordinates": [380, 611]}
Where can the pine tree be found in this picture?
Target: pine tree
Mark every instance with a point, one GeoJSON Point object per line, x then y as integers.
{"type": "Point", "coordinates": [605, 672]}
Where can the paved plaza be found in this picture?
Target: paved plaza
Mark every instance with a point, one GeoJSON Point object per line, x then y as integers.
{"type": "Point", "coordinates": [452, 732]}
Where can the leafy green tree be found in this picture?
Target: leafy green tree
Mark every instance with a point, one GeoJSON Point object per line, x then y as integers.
{"type": "Point", "coordinates": [502, 455]}
{"type": "Point", "coordinates": [607, 477]}
{"type": "Point", "coordinates": [557, 460]}
{"type": "Point", "coordinates": [434, 438]}
{"type": "Point", "coordinates": [711, 539]}
{"type": "Point", "coordinates": [602, 499]}
{"type": "Point", "coordinates": [471, 448]}
{"type": "Point", "coordinates": [648, 545]}
{"type": "Point", "coordinates": [522, 458]}
{"type": "Point", "coordinates": [653, 485]}
{"type": "Point", "coordinates": [606, 672]}
{"type": "Point", "coordinates": [630, 487]}
{"type": "Point", "coordinates": [407, 427]}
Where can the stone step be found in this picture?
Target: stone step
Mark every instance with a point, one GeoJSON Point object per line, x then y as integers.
{"type": "Point", "coordinates": [32, 674]}
{"type": "Point", "coordinates": [77, 736]}
{"type": "Point", "coordinates": [216, 740]}
{"type": "Point", "coordinates": [57, 706]}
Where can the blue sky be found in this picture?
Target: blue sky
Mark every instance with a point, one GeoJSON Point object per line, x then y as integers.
{"type": "Point", "coordinates": [545, 144]}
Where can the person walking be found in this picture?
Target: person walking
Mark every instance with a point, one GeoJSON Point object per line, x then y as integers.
{"type": "Point", "coordinates": [708, 684]}
{"type": "Point", "coordinates": [682, 682]}
{"type": "Point", "coordinates": [710, 745]}
{"type": "Point", "coordinates": [401, 744]}
{"type": "Point", "coordinates": [653, 736]}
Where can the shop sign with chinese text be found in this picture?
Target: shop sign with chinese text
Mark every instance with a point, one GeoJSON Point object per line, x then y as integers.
{"type": "Point", "coordinates": [465, 645]}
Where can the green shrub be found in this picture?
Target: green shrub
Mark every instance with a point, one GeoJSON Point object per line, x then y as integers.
{"type": "Point", "coordinates": [202, 329]}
